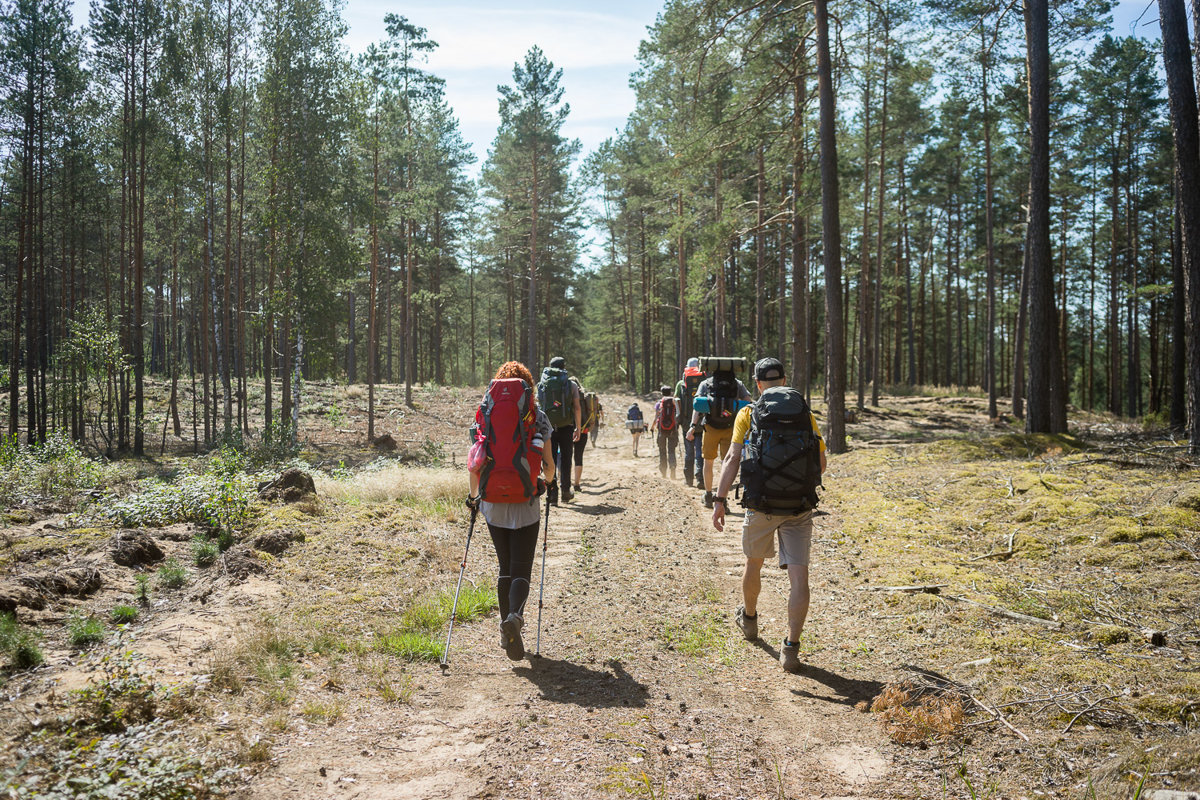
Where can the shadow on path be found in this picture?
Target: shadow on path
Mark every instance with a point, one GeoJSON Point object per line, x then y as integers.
{"type": "Point", "coordinates": [846, 691]}
{"type": "Point", "coordinates": [600, 510]}
{"type": "Point", "coordinates": [567, 682]}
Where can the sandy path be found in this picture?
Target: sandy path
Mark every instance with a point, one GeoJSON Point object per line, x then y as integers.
{"type": "Point", "coordinates": [622, 701]}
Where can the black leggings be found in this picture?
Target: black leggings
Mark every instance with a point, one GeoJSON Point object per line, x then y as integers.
{"type": "Point", "coordinates": [514, 552]}
{"type": "Point", "coordinates": [564, 449]}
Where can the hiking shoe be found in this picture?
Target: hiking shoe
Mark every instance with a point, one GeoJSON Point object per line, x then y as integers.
{"type": "Point", "coordinates": [510, 637]}
{"type": "Point", "coordinates": [688, 479]}
{"type": "Point", "coordinates": [552, 493]}
{"type": "Point", "coordinates": [708, 503]}
{"type": "Point", "coordinates": [748, 625]}
{"type": "Point", "coordinates": [577, 487]}
{"type": "Point", "coordinates": [789, 656]}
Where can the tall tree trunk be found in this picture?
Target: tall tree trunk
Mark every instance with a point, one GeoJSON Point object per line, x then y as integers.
{"type": "Point", "coordinates": [760, 258]}
{"type": "Point", "coordinates": [1047, 406]}
{"type": "Point", "coordinates": [877, 289]}
{"type": "Point", "coordinates": [989, 374]}
{"type": "Point", "coordinates": [1181, 91]}
{"type": "Point", "coordinates": [835, 346]}
{"type": "Point", "coordinates": [1178, 324]}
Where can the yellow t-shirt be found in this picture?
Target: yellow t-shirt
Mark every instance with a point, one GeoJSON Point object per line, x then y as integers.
{"type": "Point", "coordinates": [741, 426]}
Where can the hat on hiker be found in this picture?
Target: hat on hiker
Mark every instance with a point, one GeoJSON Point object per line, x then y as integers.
{"type": "Point", "coordinates": [558, 362]}
{"type": "Point", "coordinates": [693, 363]}
{"type": "Point", "coordinates": [666, 390]}
{"type": "Point", "coordinates": [768, 369]}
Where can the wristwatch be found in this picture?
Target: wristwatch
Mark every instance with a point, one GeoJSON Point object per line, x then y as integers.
{"type": "Point", "coordinates": [722, 501]}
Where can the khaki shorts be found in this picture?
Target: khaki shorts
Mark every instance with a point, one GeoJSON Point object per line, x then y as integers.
{"type": "Point", "coordinates": [795, 536]}
{"type": "Point", "coordinates": [715, 438]}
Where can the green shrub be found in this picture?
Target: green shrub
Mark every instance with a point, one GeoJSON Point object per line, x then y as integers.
{"type": "Point", "coordinates": [84, 630]}
{"type": "Point", "coordinates": [171, 574]}
{"type": "Point", "coordinates": [18, 643]}
{"type": "Point", "coordinates": [55, 470]}
{"type": "Point", "coordinates": [124, 614]}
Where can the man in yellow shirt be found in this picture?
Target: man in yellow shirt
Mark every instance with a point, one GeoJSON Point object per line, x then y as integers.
{"type": "Point", "coordinates": [784, 464]}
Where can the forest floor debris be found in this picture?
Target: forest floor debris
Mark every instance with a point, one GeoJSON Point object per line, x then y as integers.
{"type": "Point", "coordinates": [302, 659]}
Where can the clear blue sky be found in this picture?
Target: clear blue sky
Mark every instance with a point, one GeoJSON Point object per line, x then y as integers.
{"type": "Point", "coordinates": [595, 43]}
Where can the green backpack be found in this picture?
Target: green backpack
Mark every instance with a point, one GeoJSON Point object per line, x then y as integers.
{"type": "Point", "coordinates": [554, 397]}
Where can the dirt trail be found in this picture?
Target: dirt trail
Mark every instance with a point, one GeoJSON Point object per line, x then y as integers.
{"type": "Point", "coordinates": [643, 686]}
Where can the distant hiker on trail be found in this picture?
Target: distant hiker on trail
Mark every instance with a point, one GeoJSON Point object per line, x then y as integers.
{"type": "Point", "coordinates": [714, 409]}
{"type": "Point", "coordinates": [685, 391]}
{"type": "Point", "coordinates": [779, 450]}
{"type": "Point", "coordinates": [636, 424]}
{"type": "Point", "coordinates": [666, 428]}
{"type": "Point", "coordinates": [559, 398]}
{"type": "Point", "coordinates": [597, 416]}
{"type": "Point", "coordinates": [504, 481]}
{"type": "Point", "coordinates": [585, 428]}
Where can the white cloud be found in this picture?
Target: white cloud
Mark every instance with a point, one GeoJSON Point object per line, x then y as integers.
{"type": "Point", "coordinates": [495, 38]}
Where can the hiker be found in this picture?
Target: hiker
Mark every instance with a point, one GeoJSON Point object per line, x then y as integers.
{"type": "Point", "coordinates": [779, 449]}
{"type": "Point", "coordinates": [685, 391]}
{"type": "Point", "coordinates": [597, 416]}
{"type": "Point", "coordinates": [511, 488]}
{"type": "Point", "coordinates": [636, 424]}
{"type": "Point", "coordinates": [666, 427]}
{"type": "Point", "coordinates": [587, 420]}
{"type": "Point", "coordinates": [559, 398]}
{"type": "Point", "coordinates": [713, 417]}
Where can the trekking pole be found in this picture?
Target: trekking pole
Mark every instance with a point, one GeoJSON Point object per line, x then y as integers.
{"type": "Point", "coordinates": [537, 650]}
{"type": "Point", "coordinates": [454, 609]}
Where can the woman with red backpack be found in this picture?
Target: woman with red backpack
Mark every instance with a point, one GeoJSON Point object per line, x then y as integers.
{"type": "Point", "coordinates": [666, 425]}
{"type": "Point", "coordinates": [507, 474]}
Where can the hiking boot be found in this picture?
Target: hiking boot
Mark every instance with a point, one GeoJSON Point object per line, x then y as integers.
{"type": "Point", "coordinates": [789, 656]}
{"type": "Point", "coordinates": [688, 480]}
{"type": "Point", "coordinates": [748, 625]}
{"type": "Point", "coordinates": [708, 503]}
{"type": "Point", "coordinates": [510, 637]}
{"type": "Point", "coordinates": [552, 493]}
{"type": "Point", "coordinates": [662, 472]}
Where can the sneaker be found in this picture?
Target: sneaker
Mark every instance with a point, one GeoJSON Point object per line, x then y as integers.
{"type": "Point", "coordinates": [789, 656]}
{"type": "Point", "coordinates": [510, 637]}
{"type": "Point", "coordinates": [708, 496]}
{"type": "Point", "coordinates": [577, 487]}
{"type": "Point", "coordinates": [748, 625]}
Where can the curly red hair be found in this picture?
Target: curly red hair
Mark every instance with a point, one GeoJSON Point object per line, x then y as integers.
{"type": "Point", "coordinates": [515, 369]}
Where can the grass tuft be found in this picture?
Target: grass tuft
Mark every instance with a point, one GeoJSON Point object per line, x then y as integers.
{"type": "Point", "coordinates": [84, 630]}
{"type": "Point", "coordinates": [19, 644]}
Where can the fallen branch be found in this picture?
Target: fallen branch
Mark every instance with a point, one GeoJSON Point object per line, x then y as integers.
{"type": "Point", "coordinates": [1004, 612]}
{"type": "Point", "coordinates": [999, 717]}
{"type": "Point", "coordinates": [926, 588]}
{"type": "Point", "coordinates": [1075, 718]}
{"type": "Point", "coordinates": [999, 553]}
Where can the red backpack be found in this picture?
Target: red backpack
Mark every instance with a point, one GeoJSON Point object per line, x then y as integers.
{"type": "Point", "coordinates": [666, 414]}
{"type": "Point", "coordinates": [506, 426]}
